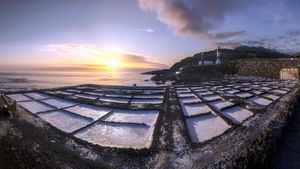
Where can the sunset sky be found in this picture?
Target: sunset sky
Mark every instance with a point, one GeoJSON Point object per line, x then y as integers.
{"type": "Point", "coordinates": [137, 34]}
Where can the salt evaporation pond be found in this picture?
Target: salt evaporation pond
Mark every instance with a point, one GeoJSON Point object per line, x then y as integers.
{"type": "Point", "coordinates": [192, 109]}
{"type": "Point", "coordinates": [189, 100]}
{"type": "Point", "coordinates": [93, 112]}
{"type": "Point", "coordinates": [114, 100]}
{"type": "Point", "coordinates": [125, 121]}
{"type": "Point", "coordinates": [35, 106]}
{"type": "Point", "coordinates": [205, 127]}
{"type": "Point", "coordinates": [220, 104]}
{"type": "Point", "coordinates": [65, 121]}
{"type": "Point", "coordinates": [19, 97]}
{"type": "Point", "coordinates": [244, 95]}
{"type": "Point", "coordinates": [134, 116]}
{"type": "Point", "coordinates": [237, 114]}
{"type": "Point", "coordinates": [118, 135]}
{"type": "Point", "coordinates": [146, 101]}
{"type": "Point", "coordinates": [260, 101]}
{"type": "Point", "coordinates": [271, 96]}
{"type": "Point", "coordinates": [37, 95]}
{"type": "Point", "coordinates": [59, 103]}
{"type": "Point", "coordinates": [212, 97]}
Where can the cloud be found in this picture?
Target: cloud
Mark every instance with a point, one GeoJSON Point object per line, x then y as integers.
{"type": "Point", "coordinates": [277, 12]}
{"type": "Point", "coordinates": [194, 18]}
{"type": "Point", "coordinates": [149, 30]}
{"type": "Point", "coordinates": [65, 48]}
{"type": "Point", "coordinates": [267, 43]}
{"type": "Point", "coordinates": [228, 44]}
{"type": "Point", "coordinates": [102, 56]}
{"type": "Point", "coordinates": [141, 60]}
{"type": "Point", "coordinates": [225, 35]}
{"type": "Point", "coordinates": [281, 37]}
{"type": "Point", "coordinates": [283, 44]}
{"type": "Point", "coordinates": [293, 33]}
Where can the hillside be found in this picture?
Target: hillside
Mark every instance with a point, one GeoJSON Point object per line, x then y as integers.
{"type": "Point", "coordinates": [227, 55]}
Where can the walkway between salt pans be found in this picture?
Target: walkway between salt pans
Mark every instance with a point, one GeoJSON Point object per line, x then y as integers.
{"type": "Point", "coordinates": [288, 153]}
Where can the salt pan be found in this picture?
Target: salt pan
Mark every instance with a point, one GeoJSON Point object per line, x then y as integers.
{"type": "Point", "coordinates": [35, 106]}
{"type": "Point", "coordinates": [148, 117]}
{"type": "Point", "coordinates": [206, 127]}
{"type": "Point", "coordinates": [118, 135]}
{"type": "Point", "coordinates": [94, 112]}
{"type": "Point", "coordinates": [260, 101]}
{"type": "Point", "coordinates": [147, 101]}
{"type": "Point", "coordinates": [271, 96]}
{"type": "Point", "coordinates": [114, 100]}
{"type": "Point", "coordinates": [37, 96]}
{"type": "Point", "coordinates": [237, 114]}
{"type": "Point", "coordinates": [65, 121]}
{"type": "Point", "coordinates": [195, 109]}
{"type": "Point", "coordinates": [59, 103]}
{"type": "Point", "coordinates": [19, 97]}
{"type": "Point", "coordinates": [211, 98]}
{"type": "Point", "coordinates": [220, 104]}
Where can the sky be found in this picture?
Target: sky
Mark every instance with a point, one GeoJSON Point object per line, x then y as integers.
{"type": "Point", "coordinates": [105, 35]}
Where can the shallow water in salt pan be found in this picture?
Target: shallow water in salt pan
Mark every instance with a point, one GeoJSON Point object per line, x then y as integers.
{"type": "Point", "coordinates": [279, 91]}
{"type": "Point", "coordinates": [195, 109]}
{"type": "Point", "coordinates": [232, 91]}
{"type": "Point", "coordinates": [65, 121]}
{"type": "Point", "coordinates": [220, 104]}
{"type": "Point", "coordinates": [19, 97]}
{"type": "Point", "coordinates": [148, 117]}
{"type": "Point", "coordinates": [35, 106]}
{"type": "Point", "coordinates": [213, 97]}
{"type": "Point", "coordinates": [260, 101]}
{"type": "Point", "coordinates": [271, 96]}
{"type": "Point", "coordinates": [206, 127]}
{"type": "Point", "coordinates": [237, 114]}
{"type": "Point", "coordinates": [89, 111]}
{"type": "Point", "coordinates": [114, 100]}
{"type": "Point", "coordinates": [189, 100]}
{"type": "Point", "coordinates": [148, 97]}
{"type": "Point", "coordinates": [147, 101]}
{"type": "Point", "coordinates": [37, 95]}
{"type": "Point", "coordinates": [204, 93]}
{"type": "Point", "coordinates": [186, 95]}
{"type": "Point", "coordinates": [244, 94]}
{"type": "Point", "coordinates": [86, 96]}
{"type": "Point", "coordinates": [59, 103]}
{"type": "Point", "coordinates": [118, 135]}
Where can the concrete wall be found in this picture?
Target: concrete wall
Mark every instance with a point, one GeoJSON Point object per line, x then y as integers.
{"type": "Point", "coordinates": [269, 68]}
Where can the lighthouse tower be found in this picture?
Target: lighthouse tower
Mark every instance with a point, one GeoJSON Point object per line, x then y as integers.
{"type": "Point", "coordinates": [218, 61]}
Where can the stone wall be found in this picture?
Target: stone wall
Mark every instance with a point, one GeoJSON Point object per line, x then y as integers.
{"type": "Point", "coordinates": [269, 68]}
{"type": "Point", "coordinates": [205, 72]}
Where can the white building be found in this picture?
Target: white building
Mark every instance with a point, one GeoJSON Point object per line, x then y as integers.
{"type": "Point", "coordinates": [218, 61]}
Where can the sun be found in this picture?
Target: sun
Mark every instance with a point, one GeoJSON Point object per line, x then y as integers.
{"type": "Point", "coordinates": [113, 63]}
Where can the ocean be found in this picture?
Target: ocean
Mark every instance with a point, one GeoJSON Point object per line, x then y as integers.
{"type": "Point", "coordinates": [15, 81]}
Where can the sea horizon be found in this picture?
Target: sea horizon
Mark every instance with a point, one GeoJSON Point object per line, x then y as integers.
{"type": "Point", "coordinates": [30, 80]}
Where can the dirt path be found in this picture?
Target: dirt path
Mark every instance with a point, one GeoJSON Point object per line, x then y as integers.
{"type": "Point", "coordinates": [288, 153]}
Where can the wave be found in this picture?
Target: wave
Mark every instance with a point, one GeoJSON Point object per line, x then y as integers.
{"type": "Point", "coordinates": [14, 80]}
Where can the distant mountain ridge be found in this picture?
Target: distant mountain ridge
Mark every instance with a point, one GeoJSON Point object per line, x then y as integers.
{"type": "Point", "coordinates": [227, 55]}
{"type": "Point", "coordinates": [254, 49]}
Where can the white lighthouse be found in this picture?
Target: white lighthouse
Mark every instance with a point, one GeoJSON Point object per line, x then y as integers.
{"type": "Point", "coordinates": [218, 61]}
